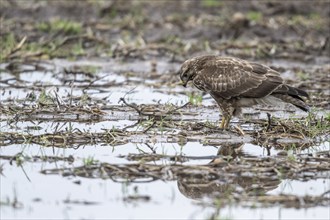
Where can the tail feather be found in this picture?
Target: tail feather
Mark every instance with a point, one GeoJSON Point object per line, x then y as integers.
{"type": "Point", "coordinates": [292, 95]}
{"type": "Point", "coordinates": [292, 91]}
{"type": "Point", "coordinates": [294, 100]}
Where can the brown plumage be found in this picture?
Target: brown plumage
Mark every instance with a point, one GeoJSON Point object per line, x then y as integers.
{"type": "Point", "coordinates": [236, 83]}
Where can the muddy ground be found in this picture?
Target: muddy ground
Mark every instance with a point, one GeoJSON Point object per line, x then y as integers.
{"type": "Point", "coordinates": [94, 123]}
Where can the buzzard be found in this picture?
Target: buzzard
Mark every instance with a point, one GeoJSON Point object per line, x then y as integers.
{"type": "Point", "coordinates": [235, 83]}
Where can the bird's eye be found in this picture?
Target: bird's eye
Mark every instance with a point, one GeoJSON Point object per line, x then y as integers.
{"type": "Point", "coordinates": [184, 76]}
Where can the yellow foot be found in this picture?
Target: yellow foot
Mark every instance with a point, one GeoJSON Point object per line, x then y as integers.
{"type": "Point", "coordinates": [227, 123]}
{"type": "Point", "coordinates": [224, 122]}
{"type": "Point", "coordinates": [222, 125]}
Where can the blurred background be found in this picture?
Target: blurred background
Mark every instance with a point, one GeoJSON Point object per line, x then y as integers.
{"type": "Point", "coordinates": [165, 29]}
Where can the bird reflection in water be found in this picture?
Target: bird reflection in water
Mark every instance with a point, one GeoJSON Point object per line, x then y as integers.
{"type": "Point", "coordinates": [225, 184]}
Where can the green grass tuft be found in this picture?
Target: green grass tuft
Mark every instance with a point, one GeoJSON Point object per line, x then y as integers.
{"type": "Point", "coordinates": [211, 3]}
{"type": "Point", "coordinates": [195, 99]}
{"type": "Point", "coordinates": [254, 16]}
{"type": "Point", "coordinates": [66, 26]}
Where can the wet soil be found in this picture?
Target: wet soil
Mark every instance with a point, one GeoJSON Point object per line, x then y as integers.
{"type": "Point", "coordinates": [90, 97]}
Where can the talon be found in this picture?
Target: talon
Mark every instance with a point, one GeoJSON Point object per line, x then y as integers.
{"type": "Point", "coordinates": [226, 122]}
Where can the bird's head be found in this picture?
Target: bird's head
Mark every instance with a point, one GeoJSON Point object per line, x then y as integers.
{"type": "Point", "coordinates": [187, 72]}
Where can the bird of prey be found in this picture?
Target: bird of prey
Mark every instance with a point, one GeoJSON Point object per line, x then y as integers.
{"type": "Point", "coordinates": [235, 83]}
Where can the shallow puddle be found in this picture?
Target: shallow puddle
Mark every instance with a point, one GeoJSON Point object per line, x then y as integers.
{"type": "Point", "coordinates": [123, 139]}
{"type": "Point", "coordinates": [37, 195]}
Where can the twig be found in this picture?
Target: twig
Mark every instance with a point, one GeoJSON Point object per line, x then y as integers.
{"type": "Point", "coordinates": [240, 131]}
{"type": "Point", "coordinates": [148, 128]}
{"type": "Point", "coordinates": [153, 150]}
{"type": "Point", "coordinates": [130, 105]}
{"type": "Point", "coordinates": [17, 48]}
{"type": "Point", "coordinates": [92, 82]}
{"type": "Point", "coordinates": [177, 108]}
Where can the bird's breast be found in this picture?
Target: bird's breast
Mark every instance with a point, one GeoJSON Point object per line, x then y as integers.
{"type": "Point", "coordinates": [199, 84]}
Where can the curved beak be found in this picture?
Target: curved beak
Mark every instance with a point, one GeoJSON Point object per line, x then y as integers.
{"type": "Point", "coordinates": [182, 83]}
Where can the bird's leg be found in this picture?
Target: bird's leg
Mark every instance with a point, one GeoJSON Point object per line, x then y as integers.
{"type": "Point", "coordinates": [227, 111]}
{"type": "Point", "coordinates": [223, 121]}
{"type": "Point", "coordinates": [227, 122]}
